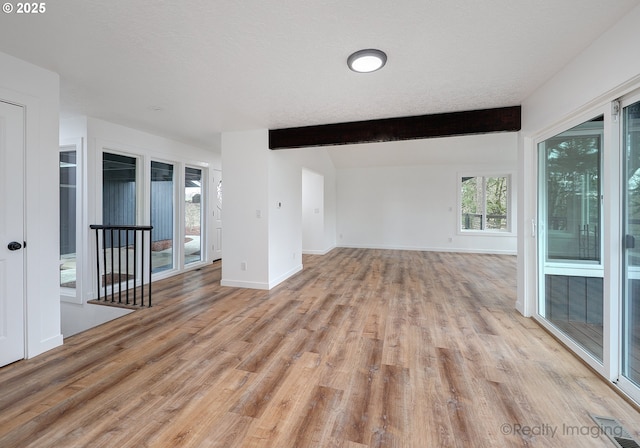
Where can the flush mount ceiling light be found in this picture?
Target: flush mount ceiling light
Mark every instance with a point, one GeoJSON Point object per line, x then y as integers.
{"type": "Point", "coordinates": [366, 61]}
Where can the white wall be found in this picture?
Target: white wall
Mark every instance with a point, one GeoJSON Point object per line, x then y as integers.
{"type": "Point", "coordinates": [98, 135]}
{"type": "Point", "coordinates": [285, 217]}
{"type": "Point", "coordinates": [259, 181]}
{"type": "Point", "coordinates": [80, 317]}
{"type": "Point", "coordinates": [606, 70]}
{"type": "Point", "coordinates": [38, 90]}
{"type": "Point", "coordinates": [607, 63]}
{"type": "Point", "coordinates": [416, 207]}
{"type": "Point", "coordinates": [245, 235]}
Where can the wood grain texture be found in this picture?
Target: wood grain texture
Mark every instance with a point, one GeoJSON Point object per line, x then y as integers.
{"type": "Point", "coordinates": [501, 119]}
{"type": "Point", "coordinates": [363, 348]}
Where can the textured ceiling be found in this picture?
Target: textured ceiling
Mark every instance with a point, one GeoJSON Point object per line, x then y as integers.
{"type": "Point", "coordinates": [223, 65]}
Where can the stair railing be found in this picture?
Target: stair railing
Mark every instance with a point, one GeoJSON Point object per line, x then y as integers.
{"type": "Point", "coordinates": [120, 260]}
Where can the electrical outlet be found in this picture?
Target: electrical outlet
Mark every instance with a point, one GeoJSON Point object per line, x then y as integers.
{"type": "Point", "coordinates": [243, 265]}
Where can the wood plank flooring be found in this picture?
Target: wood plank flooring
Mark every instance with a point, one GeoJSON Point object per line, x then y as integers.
{"type": "Point", "coordinates": [364, 348]}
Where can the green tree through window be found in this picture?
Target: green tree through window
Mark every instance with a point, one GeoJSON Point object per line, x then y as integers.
{"type": "Point", "coordinates": [484, 203]}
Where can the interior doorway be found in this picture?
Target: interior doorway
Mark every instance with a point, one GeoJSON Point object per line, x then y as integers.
{"type": "Point", "coordinates": [312, 212]}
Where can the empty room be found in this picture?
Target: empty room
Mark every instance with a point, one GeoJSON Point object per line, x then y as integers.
{"type": "Point", "coordinates": [319, 224]}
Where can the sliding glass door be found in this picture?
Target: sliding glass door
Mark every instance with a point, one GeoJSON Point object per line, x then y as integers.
{"type": "Point", "coordinates": [588, 240]}
{"type": "Point", "coordinates": [570, 234]}
{"type": "Point", "coordinates": [630, 355]}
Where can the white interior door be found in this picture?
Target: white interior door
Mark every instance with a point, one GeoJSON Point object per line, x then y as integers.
{"type": "Point", "coordinates": [217, 215]}
{"type": "Point", "coordinates": [11, 233]}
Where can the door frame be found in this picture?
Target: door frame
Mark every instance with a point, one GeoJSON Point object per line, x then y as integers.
{"type": "Point", "coordinates": [627, 386]}
{"type": "Point", "coordinates": [37, 92]}
{"type": "Point", "coordinates": [612, 222]}
{"type": "Point", "coordinates": [610, 203]}
{"type": "Point", "coordinates": [22, 179]}
{"type": "Point", "coordinates": [216, 236]}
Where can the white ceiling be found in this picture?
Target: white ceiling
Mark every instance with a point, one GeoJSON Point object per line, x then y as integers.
{"type": "Point", "coordinates": [223, 65]}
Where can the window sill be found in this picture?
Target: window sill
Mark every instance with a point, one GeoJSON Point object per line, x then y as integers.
{"type": "Point", "coordinates": [502, 233]}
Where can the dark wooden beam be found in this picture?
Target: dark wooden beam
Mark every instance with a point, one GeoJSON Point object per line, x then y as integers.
{"type": "Point", "coordinates": [503, 119]}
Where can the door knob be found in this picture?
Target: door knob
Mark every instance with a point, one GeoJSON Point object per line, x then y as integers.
{"type": "Point", "coordinates": [14, 245]}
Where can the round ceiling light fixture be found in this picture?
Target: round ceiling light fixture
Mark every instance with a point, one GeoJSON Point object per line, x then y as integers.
{"type": "Point", "coordinates": [367, 61]}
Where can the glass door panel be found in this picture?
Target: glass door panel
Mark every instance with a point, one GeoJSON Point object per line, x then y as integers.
{"type": "Point", "coordinates": [631, 245]}
{"type": "Point", "coordinates": [68, 194]}
{"type": "Point", "coordinates": [119, 208]}
{"type": "Point", "coordinates": [569, 210]}
{"type": "Point", "coordinates": [162, 193]}
{"type": "Point", "coordinates": [192, 215]}
{"type": "Point", "coordinates": [119, 190]}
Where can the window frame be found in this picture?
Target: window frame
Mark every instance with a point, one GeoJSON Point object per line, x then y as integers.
{"type": "Point", "coordinates": [144, 159]}
{"type": "Point", "coordinates": [69, 294]}
{"type": "Point", "coordinates": [509, 231]}
{"type": "Point", "coordinates": [203, 207]}
{"type": "Point", "coordinates": [176, 168]}
{"type": "Point", "coordinates": [601, 169]}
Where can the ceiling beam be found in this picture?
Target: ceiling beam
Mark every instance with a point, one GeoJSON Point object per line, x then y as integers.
{"type": "Point", "coordinates": [503, 119]}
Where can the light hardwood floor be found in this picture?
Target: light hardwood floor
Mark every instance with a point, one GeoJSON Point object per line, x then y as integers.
{"type": "Point", "coordinates": [364, 348]}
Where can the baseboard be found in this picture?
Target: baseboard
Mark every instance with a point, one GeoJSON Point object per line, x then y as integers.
{"type": "Point", "coordinates": [45, 346]}
{"type": "Point", "coordinates": [244, 284]}
{"type": "Point", "coordinates": [261, 285]}
{"type": "Point", "coordinates": [283, 277]}
{"type": "Point", "coordinates": [318, 252]}
{"type": "Point", "coordinates": [431, 249]}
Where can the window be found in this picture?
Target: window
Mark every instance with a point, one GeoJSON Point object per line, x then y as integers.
{"type": "Point", "coordinates": [119, 200]}
{"type": "Point", "coordinates": [484, 203]}
{"type": "Point", "coordinates": [68, 216]}
{"type": "Point", "coordinates": [137, 190]}
{"type": "Point", "coordinates": [119, 189]}
{"type": "Point", "coordinates": [193, 215]}
{"type": "Point", "coordinates": [572, 170]}
{"type": "Point", "coordinates": [162, 216]}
